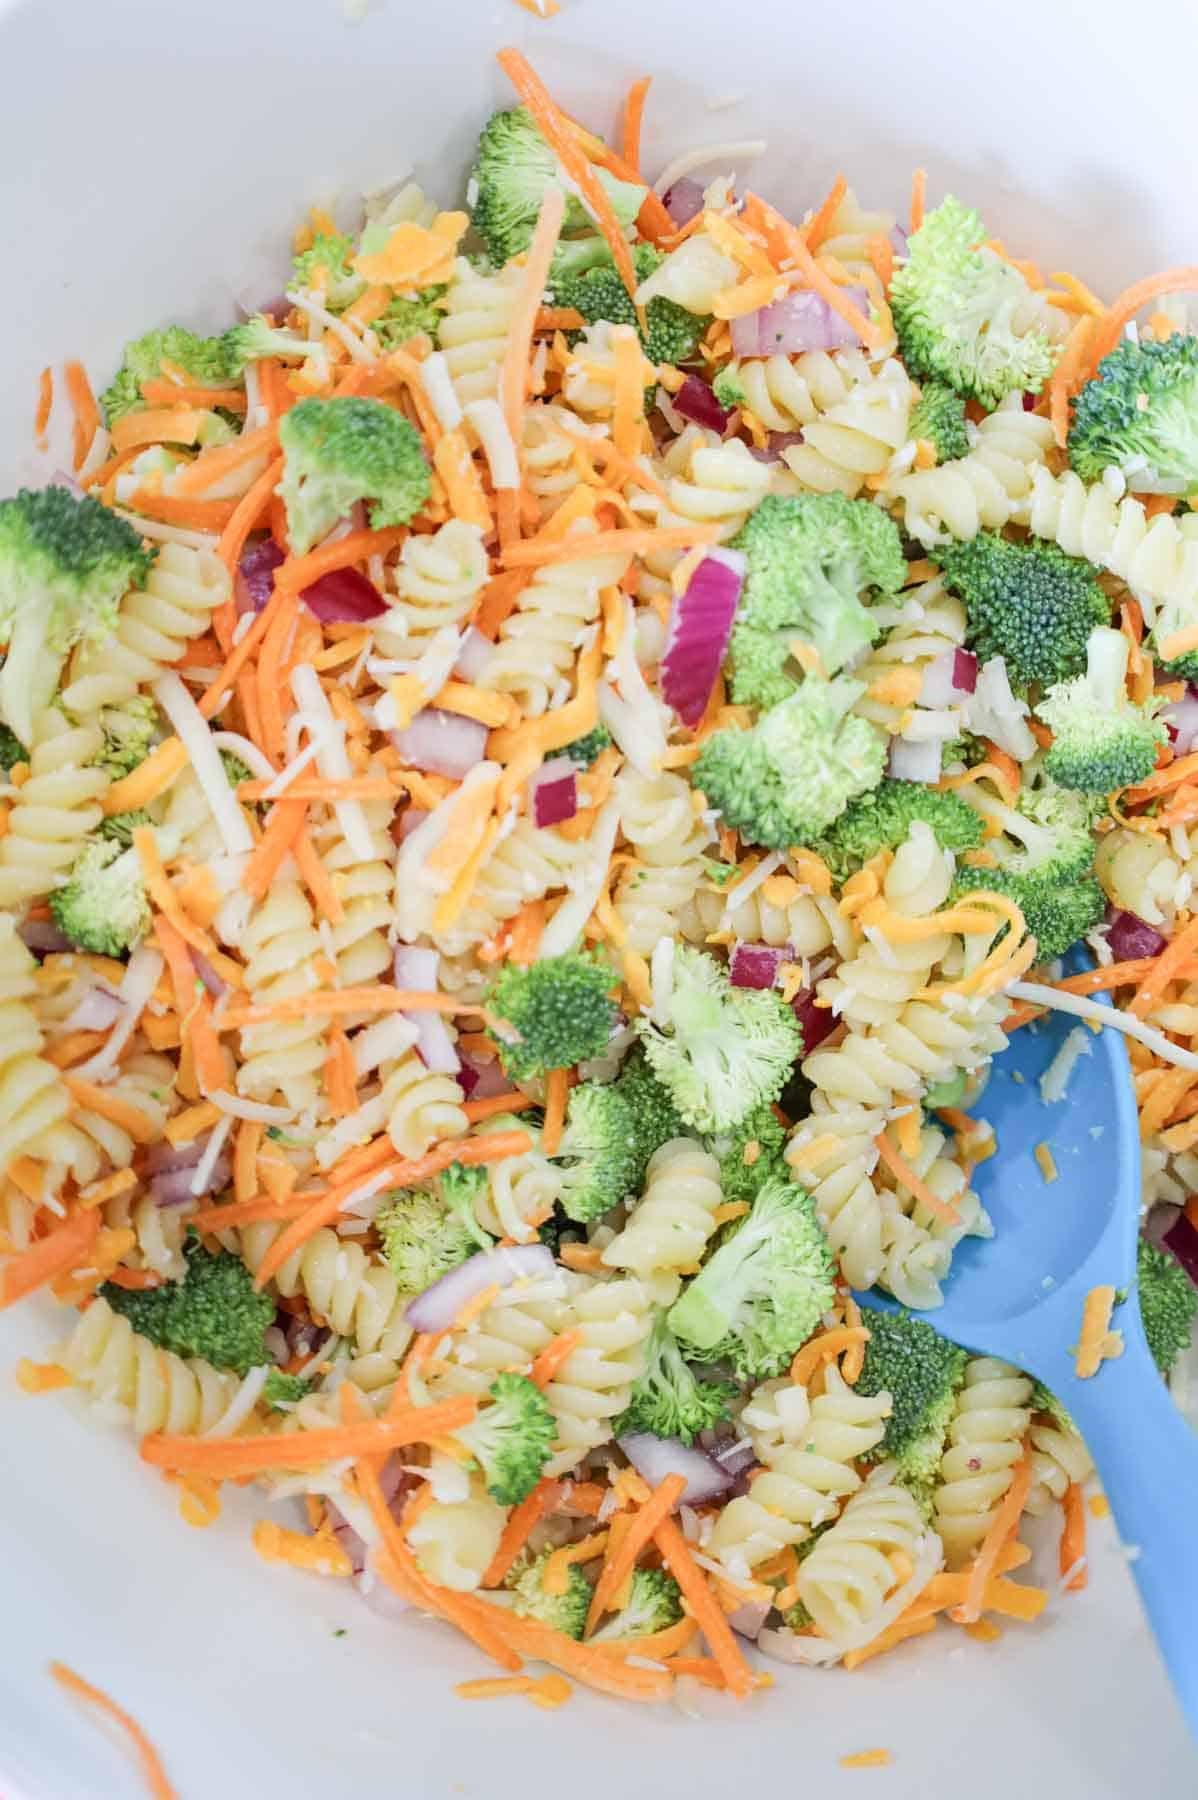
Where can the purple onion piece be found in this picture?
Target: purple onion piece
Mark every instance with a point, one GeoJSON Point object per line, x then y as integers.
{"type": "Point", "coordinates": [344, 595]}
{"type": "Point", "coordinates": [654, 1458]}
{"type": "Point", "coordinates": [474, 655]}
{"type": "Point", "coordinates": [97, 1011]}
{"type": "Point", "coordinates": [700, 627]}
{"type": "Point", "coordinates": [1181, 720]}
{"type": "Point", "coordinates": [442, 743]}
{"type": "Point", "coordinates": [799, 321]}
{"type": "Point", "coordinates": [756, 965]}
{"type": "Point", "coordinates": [554, 793]}
{"type": "Point", "coordinates": [818, 1022]}
{"type": "Point", "coordinates": [488, 1077]}
{"type": "Point", "coordinates": [256, 574]}
{"type": "Point", "coordinates": [438, 1307]}
{"type": "Point", "coordinates": [1130, 937]}
{"type": "Point", "coordinates": [696, 401]}
{"type": "Point", "coordinates": [208, 975]}
{"type": "Point", "coordinates": [43, 937]}
{"type": "Point", "coordinates": [1182, 1240]}
{"type": "Point", "coordinates": [683, 200]}
{"type": "Point", "coordinates": [898, 239]}
{"type": "Point", "coordinates": [416, 970]}
{"type": "Point", "coordinates": [965, 671]}
{"type": "Point", "coordinates": [164, 1156]}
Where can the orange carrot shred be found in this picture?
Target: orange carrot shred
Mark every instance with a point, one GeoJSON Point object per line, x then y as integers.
{"type": "Point", "coordinates": [521, 1521]}
{"type": "Point", "coordinates": [905, 1174]}
{"type": "Point", "coordinates": [301, 571]}
{"type": "Point", "coordinates": [513, 379]}
{"type": "Point", "coordinates": [152, 1766]}
{"type": "Point", "coordinates": [556, 1352]}
{"type": "Point", "coordinates": [704, 1608]}
{"type": "Point", "coordinates": [919, 191]}
{"type": "Point", "coordinates": [1003, 1526]}
{"type": "Point", "coordinates": [634, 112]}
{"type": "Point", "coordinates": [557, 1086]}
{"type": "Point", "coordinates": [45, 405]}
{"type": "Point", "coordinates": [816, 230]}
{"type": "Point", "coordinates": [1073, 1536]}
{"type": "Point", "coordinates": [87, 413]}
{"type": "Point", "coordinates": [56, 1254]}
{"type": "Point", "coordinates": [1129, 302]}
{"type": "Point", "coordinates": [617, 1567]}
{"type": "Point", "coordinates": [247, 514]}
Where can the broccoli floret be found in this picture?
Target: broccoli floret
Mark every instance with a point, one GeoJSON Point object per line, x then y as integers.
{"type": "Point", "coordinates": [12, 750]}
{"type": "Point", "coordinates": [514, 166]}
{"type": "Point", "coordinates": [949, 1092]}
{"type": "Point", "coordinates": [555, 1013]}
{"type": "Point", "coordinates": [235, 770]}
{"type": "Point", "coordinates": [921, 1371]}
{"type": "Point", "coordinates": [213, 1312]}
{"type": "Point", "coordinates": [512, 1439]}
{"type": "Point", "coordinates": [953, 303]}
{"type": "Point", "coordinates": [654, 1604]}
{"type": "Point", "coordinates": [336, 452]}
{"type": "Point", "coordinates": [422, 1239]}
{"type": "Point", "coordinates": [1055, 916]}
{"type": "Point", "coordinates": [882, 820]}
{"type": "Point", "coordinates": [283, 1390]}
{"type": "Point", "coordinates": [64, 566]}
{"type": "Point", "coordinates": [1044, 857]}
{"type": "Point", "coordinates": [1028, 603]}
{"type": "Point", "coordinates": [204, 361]}
{"type": "Point", "coordinates": [598, 293]}
{"type": "Point", "coordinates": [749, 1156]}
{"type": "Point", "coordinates": [655, 1118]}
{"type": "Point", "coordinates": [1101, 739]}
{"type": "Point", "coordinates": [103, 907]}
{"type": "Point", "coordinates": [1168, 1302]}
{"type": "Point", "coordinates": [787, 778]}
{"type": "Point", "coordinates": [939, 419]}
{"type": "Point", "coordinates": [726, 1051]}
{"type": "Point", "coordinates": [119, 828]}
{"type": "Point", "coordinates": [809, 559]}
{"type": "Point", "coordinates": [596, 1151]}
{"type": "Point", "coordinates": [586, 750]}
{"type": "Point", "coordinates": [327, 266]}
{"type": "Point", "coordinates": [409, 316]}
{"type": "Point", "coordinates": [728, 387]}
{"type": "Point", "coordinates": [1140, 415]}
{"type": "Point", "coordinates": [1045, 1401]}
{"type": "Point", "coordinates": [129, 734]}
{"type": "Point", "coordinates": [669, 1399]}
{"type": "Point", "coordinates": [258, 338]}
{"type": "Point", "coordinates": [461, 1187]}
{"type": "Point", "coordinates": [564, 1612]}
{"type": "Point", "coordinates": [763, 1292]}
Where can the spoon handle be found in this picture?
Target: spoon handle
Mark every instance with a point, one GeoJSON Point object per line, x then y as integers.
{"type": "Point", "coordinates": [1147, 1456]}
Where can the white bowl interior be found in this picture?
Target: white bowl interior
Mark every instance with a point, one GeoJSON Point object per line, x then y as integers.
{"type": "Point", "coordinates": [153, 161]}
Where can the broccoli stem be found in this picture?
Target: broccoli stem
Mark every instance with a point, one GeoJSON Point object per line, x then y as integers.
{"type": "Point", "coordinates": [30, 673]}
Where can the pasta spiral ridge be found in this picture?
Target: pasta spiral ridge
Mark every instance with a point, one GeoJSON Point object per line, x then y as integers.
{"type": "Point", "coordinates": [154, 627]}
{"type": "Point", "coordinates": [1141, 871]}
{"type": "Point", "coordinates": [992, 486]}
{"type": "Point", "coordinates": [539, 640]}
{"type": "Point", "coordinates": [593, 1386]}
{"type": "Point", "coordinates": [856, 435]}
{"type": "Point", "coordinates": [159, 1231]}
{"type": "Point", "coordinates": [707, 483]}
{"type": "Point", "coordinates": [551, 453]}
{"type": "Point", "coordinates": [88, 1143]}
{"type": "Point", "coordinates": [421, 1105]}
{"type": "Point", "coordinates": [670, 840]}
{"type": "Point", "coordinates": [438, 579]}
{"type": "Point", "coordinates": [848, 1583]}
{"type": "Point", "coordinates": [918, 1243]}
{"type": "Point", "coordinates": [54, 812]}
{"type": "Point", "coordinates": [454, 1541]}
{"type": "Point", "coordinates": [358, 941]}
{"type": "Point", "coordinates": [985, 1441]}
{"type": "Point", "coordinates": [670, 1226]}
{"type": "Point", "coordinates": [525, 865]}
{"type": "Point", "coordinates": [154, 1389]}
{"type": "Point", "coordinates": [521, 1191]}
{"type": "Point", "coordinates": [920, 625]}
{"type": "Point", "coordinates": [1157, 558]}
{"type": "Point", "coordinates": [280, 945]}
{"type": "Point", "coordinates": [509, 1334]}
{"type": "Point", "coordinates": [1059, 1459]}
{"type": "Point", "coordinates": [33, 1096]}
{"type": "Point", "coordinates": [354, 1294]}
{"type": "Point", "coordinates": [473, 332]}
{"type": "Point", "coordinates": [833, 1153]}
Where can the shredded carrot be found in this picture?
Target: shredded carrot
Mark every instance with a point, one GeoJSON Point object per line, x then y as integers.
{"type": "Point", "coordinates": [795, 246]}
{"type": "Point", "coordinates": [557, 1351]}
{"type": "Point", "coordinates": [161, 893]}
{"type": "Point", "coordinates": [824, 1348]}
{"type": "Point", "coordinates": [1066, 376]}
{"type": "Point", "coordinates": [919, 190]}
{"type": "Point", "coordinates": [1129, 302]}
{"type": "Point", "coordinates": [284, 825]}
{"type": "Point", "coordinates": [525, 932]}
{"type": "Point", "coordinates": [499, 1687]}
{"type": "Point", "coordinates": [906, 1176]}
{"type": "Point", "coordinates": [898, 1633]}
{"type": "Point", "coordinates": [150, 779]}
{"type": "Point", "coordinates": [357, 546]}
{"type": "Point", "coordinates": [87, 413]}
{"type": "Point", "coordinates": [45, 405]}
{"type": "Point", "coordinates": [1073, 1537]}
{"type": "Point", "coordinates": [880, 251]}
{"type": "Point", "coordinates": [223, 459]}
{"type": "Point", "coordinates": [56, 1254]}
{"type": "Point", "coordinates": [307, 1450]}
{"type": "Point", "coordinates": [704, 1608]}
{"type": "Point", "coordinates": [249, 1212]}
{"type": "Point", "coordinates": [609, 543]}
{"type": "Point", "coordinates": [557, 1085]}
{"type": "Point", "coordinates": [512, 1102]}
{"type": "Point", "coordinates": [513, 376]}
{"type": "Point", "coordinates": [157, 1781]}
{"type": "Point", "coordinates": [340, 1074]}
{"type": "Point", "coordinates": [618, 1566]}
{"type": "Point", "coordinates": [521, 1522]}
{"type": "Point", "coordinates": [316, 877]}
{"type": "Point", "coordinates": [817, 228]}
{"type": "Point", "coordinates": [634, 111]}
{"type": "Point", "coordinates": [1164, 968]}
{"type": "Point", "coordinates": [556, 1578]}
{"type": "Point", "coordinates": [161, 392]}
{"type": "Point", "coordinates": [1003, 1526]}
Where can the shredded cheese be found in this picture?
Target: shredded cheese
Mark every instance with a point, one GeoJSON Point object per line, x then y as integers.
{"type": "Point", "coordinates": [486, 416]}
{"type": "Point", "coordinates": [204, 757]}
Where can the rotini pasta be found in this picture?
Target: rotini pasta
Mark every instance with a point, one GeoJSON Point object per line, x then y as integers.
{"type": "Point", "coordinates": [527, 864]}
{"type": "Point", "coordinates": [280, 945]}
{"type": "Point", "coordinates": [854, 436]}
{"type": "Point", "coordinates": [353, 1293]}
{"type": "Point", "coordinates": [56, 809]}
{"type": "Point", "coordinates": [985, 1441]}
{"type": "Point", "coordinates": [438, 579]}
{"type": "Point", "coordinates": [521, 1191]}
{"type": "Point", "coordinates": [656, 899]}
{"type": "Point", "coordinates": [159, 1232]}
{"type": "Point", "coordinates": [593, 1386]}
{"type": "Point", "coordinates": [473, 332]}
{"type": "Point", "coordinates": [539, 640]}
{"type": "Point", "coordinates": [1158, 558]}
{"type": "Point", "coordinates": [919, 626]}
{"type": "Point", "coordinates": [509, 1334]}
{"type": "Point", "coordinates": [132, 1380]}
{"type": "Point", "coordinates": [707, 483]}
{"type": "Point", "coordinates": [992, 486]}
{"type": "Point", "coordinates": [358, 941]}
{"type": "Point", "coordinates": [454, 1541]}
{"type": "Point", "coordinates": [1141, 872]}
{"type": "Point", "coordinates": [33, 1096]}
{"type": "Point", "coordinates": [89, 1142]}
{"type": "Point", "coordinates": [849, 1583]}
{"type": "Point", "coordinates": [1059, 1458]}
{"type": "Point", "coordinates": [669, 1227]}
{"type": "Point", "coordinates": [918, 1243]}
{"type": "Point", "coordinates": [156, 623]}
{"type": "Point", "coordinates": [420, 1105]}
{"type": "Point", "coordinates": [553, 459]}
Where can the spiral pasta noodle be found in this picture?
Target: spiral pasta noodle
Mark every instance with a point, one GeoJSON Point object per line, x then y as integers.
{"type": "Point", "coordinates": [421, 1105]}
{"type": "Point", "coordinates": [849, 231]}
{"type": "Point", "coordinates": [283, 1056]}
{"type": "Point", "coordinates": [474, 329]}
{"type": "Point", "coordinates": [187, 821]}
{"type": "Point", "coordinates": [1141, 872]}
{"type": "Point", "coordinates": [509, 1334]}
{"type": "Point", "coordinates": [848, 1583]}
{"type": "Point", "coordinates": [920, 626]}
{"type": "Point", "coordinates": [553, 459]}
{"type": "Point", "coordinates": [655, 900]}
{"type": "Point", "coordinates": [55, 810]}
{"type": "Point", "coordinates": [869, 988]}
{"type": "Point", "coordinates": [854, 436]}
{"type": "Point", "coordinates": [89, 1143]}
{"type": "Point", "coordinates": [670, 1226]}
{"type": "Point", "coordinates": [985, 1441]}
{"type": "Point", "coordinates": [356, 1295]}
{"type": "Point", "coordinates": [154, 1390]}
{"type": "Point", "coordinates": [833, 1153]}
{"type": "Point", "coordinates": [992, 486]}
{"type": "Point", "coordinates": [438, 579]}
{"type": "Point", "coordinates": [527, 864]}
{"type": "Point", "coordinates": [918, 1242]}
{"type": "Point", "coordinates": [707, 483]}
{"type": "Point", "coordinates": [154, 627]}
{"type": "Point", "coordinates": [593, 1386]}
{"type": "Point", "coordinates": [159, 1232]}
{"type": "Point", "coordinates": [808, 923]}
{"type": "Point", "coordinates": [33, 1096]}
{"type": "Point", "coordinates": [358, 941]}
{"type": "Point", "coordinates": [521, 1191]}
{"type": "Point", "coordinates": [539, 640]}
{"type": "Point", "coordinates": [454, 1541]}
{"type": "Point", "coordinates": [1059, 1460]}
{"type": "Point", "coordinates": [1157, 558]}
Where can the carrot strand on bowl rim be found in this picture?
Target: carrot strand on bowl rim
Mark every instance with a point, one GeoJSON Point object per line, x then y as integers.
{"type": "Point", "coordinates": [634, 112]}
{"type": "Point", "coordinates": [87, 413]}
{"type": "Point", "coordinates": [157, 1781]}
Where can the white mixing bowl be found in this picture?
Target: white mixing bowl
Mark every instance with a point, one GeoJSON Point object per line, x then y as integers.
{"type": "Point", "coordinates": [154, 157]}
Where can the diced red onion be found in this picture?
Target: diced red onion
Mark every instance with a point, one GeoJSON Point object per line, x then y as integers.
{"type": "Point", "coordinates": [409, 819]}
{"type": "Point", "coordinates": [416, 970]}
{"type": "Point", "coordinates": [351, 1543]}
{"type": "Point", "coordinates": [756, 965]}
{"type": "Point", "coordinates": [1182, 1241]}
{"type": "Point", "coordinates": [654, 1458]}
{"type": "Point", "coordinates": [164, 1155]}
{"type": "Point", "coordinates": [775, 444]}
{"type": "Point", "coordinates": [683, 199]}
{"type": "Point", "coordinates": [799, 321]}
{"type": "Point", "coordinates": [918, 761]}
{"type": "Point", "coordinates": [61, 479]}
{"type": "Point", "coordinates": [467, 1079]}
{"type": "Point", "coordinates": [898, 239]}
{"type": "Point", "coordinates": [43, 937]}
{"type": "Point", "coordinates": [748, 1619]}
{"type": "Point", "coordinates": [256, 575]}
{"type": "Point", "coordinates": [1130, 937]}
{"type": "Point", "coordinates": [948, 677]}
{"type": "Point", "coordinates": [208, 975]}
{"type": "Point", "coordinates": [1181, 719]}
{"type": "Point", "coordinates": [1159, 1223]}
{"type": "Point", "coordinates": [965, 671]}
{"type": "Point", "coordinates": [304, 1338]}
{"type": "Point", "coordinates": [736, 1456]}
{"type": "Point", "coordinates": [700, 627]}
{"type": "Point", "coordinates": [474, 655]}
{"type": "Point", "coordinates": [489, 1077]}
{"type": "Point", "coordinates": [696, 401]}
{"type": "Point", "coordinates": [554, 792]}
{"type": "Point", "coordinates": [818, 1022]}
{"type": "Point", "coordinates": [173, 1186]}
{"type": "Point", "coordinates": [344, 595]}
{"type": "Point", "coordinates": [97, 1011]}
{"type": "Point", "coordinates": [438, 1307]}
{"type": "Point", "coordinates": [442, 743]}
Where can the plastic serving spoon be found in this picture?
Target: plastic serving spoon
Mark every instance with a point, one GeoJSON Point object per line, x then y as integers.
{"type": "Point", "coordinates": [1019, 1296]}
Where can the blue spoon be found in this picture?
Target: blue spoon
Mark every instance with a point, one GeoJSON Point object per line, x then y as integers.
{"type": "Point", "coordinates": [1019, 1296]}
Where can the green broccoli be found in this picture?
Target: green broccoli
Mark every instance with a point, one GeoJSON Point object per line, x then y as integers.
{"type": "Point", "coordinates": [669, 1399]}
{"type": "Point", "coordinates": [204, 361]}
{"type": "Point", "coordinates": [954, 302]}
{"type": "Point", "coordinates": [595, 1152]}
{"type": "Point", "coordinates": [728, 387]}
{"type": "Point", "coordinates": [750, 1155]}
{"type": "Point", "coordinates": [554, 1014]}
{"type": "Point", "coordinates": [1045, 855]}
{"type": "Point", "coordinates": [461, 1187]}
{"type": "Point", "coordinates": [258, 338]}
{"type": "Point", "coordinates": [64, 566]}
{"type": "Point", "coordinates": [1043, 1400]}
{"type": "Point", "coordinates": [410, 316]}
{"type": "Point", "coordinates": [422, 1239]}
{"type": "Point", "coordinates": [921, 1371]}
{"type": "Point", "coordinates": [514, 166]}
{"type": "Point", "coordinates": [1168, 1302]}
{"type": "Point", "coordinates": [1028, 603]}
{"type": "Point", "coordinates": [213, 1312]}
{"type": "Point", "coordinates": [118, 828]}
{"type": "Point", "coordinates": [949, 1092]}
{"type": "Point", "coordinates": [327, 266]}
{"type": "Point", "coordinates": [764, 1291]}
{"type": "Point", "coordinates": [103, 907]}
{"type": "Point", "coordinates": [654, 1604]}
{"type": "Point", "coordinates": [12, 751]}
{"type": "Point", "coordinates": [512, 1439]}
{"type": "Point", "coordinates": [586, 750]}
{"type": "Point", "coordinates": [882, 820]}
{"type": "Point", "coordinates": [1140, 415]}
{"type": "Point", "coordinates": [598, 292]}
{"type": "Point", "coordinates": [791, 775]}
{"type": "Point", "coordinates": [1101, 739]}
{"type": "Point", "coordinates": [336, 452]}
{"type": "Point", "coordinates": [809, 559]}
{"type": "Point", "coordinates": [564, 1612]}
{"type": "Point", "coordinates": [727, 1050]}
{"type": "Point", "coordinates": [655, 1118]}
{"type": "Point", "coordinates": [938, 418]}
{"type": "Point", "coordinates": [130, 732]}
{"type": "Point", "coordinates": [283, 1390]}
{"type": "Point", "coordinates": [235, 770]}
